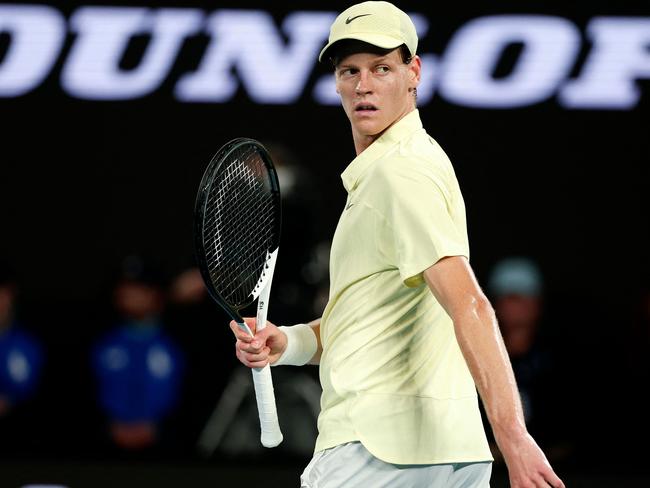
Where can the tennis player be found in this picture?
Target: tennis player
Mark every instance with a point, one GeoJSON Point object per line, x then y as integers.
{"type": "Point", "coordinates": [407, 335]}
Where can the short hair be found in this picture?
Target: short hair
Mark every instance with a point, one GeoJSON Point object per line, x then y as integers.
{"type": "Point", "coordinates": [347, 47]}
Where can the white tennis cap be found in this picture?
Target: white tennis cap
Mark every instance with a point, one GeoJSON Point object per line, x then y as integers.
{"type": "Point", "coordinates": [381, 24]}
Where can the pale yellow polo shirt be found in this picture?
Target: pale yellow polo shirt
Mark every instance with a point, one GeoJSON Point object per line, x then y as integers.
{"type": "Point", "coordinates": [392, 372]}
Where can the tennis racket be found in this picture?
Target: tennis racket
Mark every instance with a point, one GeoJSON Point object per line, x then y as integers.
{"type": "Point", "coordinates": [236, 236]}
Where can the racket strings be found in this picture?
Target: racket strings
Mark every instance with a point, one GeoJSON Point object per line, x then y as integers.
{"type": "Point", "coordinates": [232, 271]}
{"type": "Point", "coordinates": [240, 200]}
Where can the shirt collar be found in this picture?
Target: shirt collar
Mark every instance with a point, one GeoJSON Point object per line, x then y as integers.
{"type": "Point", "coordinates": [394, 134]}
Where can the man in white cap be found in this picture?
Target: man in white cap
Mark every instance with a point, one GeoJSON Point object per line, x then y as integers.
{"type": "Point", "coordinates": [407, 335]}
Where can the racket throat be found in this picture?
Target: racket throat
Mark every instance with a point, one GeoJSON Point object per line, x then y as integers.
{"type": "Point", "coordinates": [260, 288]}
{"type": "Point", "coordinates": [262, 292]}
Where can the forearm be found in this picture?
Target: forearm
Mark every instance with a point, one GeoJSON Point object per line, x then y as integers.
{"type": "Point", "coordinates": [480, 341]}
{"type": "Point", "coordinates": [452, 282]}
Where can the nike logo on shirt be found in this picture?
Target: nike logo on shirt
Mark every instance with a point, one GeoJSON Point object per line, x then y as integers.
{"type": "Point", "coordinates": [350, 19]}
{"type": "Point", "coordinates": [349, 205]}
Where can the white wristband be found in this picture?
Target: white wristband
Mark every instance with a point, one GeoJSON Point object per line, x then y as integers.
{"type": "Point", "coordinates": [301, 345]}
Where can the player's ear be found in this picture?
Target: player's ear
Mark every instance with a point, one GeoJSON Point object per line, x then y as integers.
{"type": "Point", "coordinates": [414, 71]}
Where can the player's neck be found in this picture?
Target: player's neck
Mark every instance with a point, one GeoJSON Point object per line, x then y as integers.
{"type": "Point", "coordinates": [361, 142]}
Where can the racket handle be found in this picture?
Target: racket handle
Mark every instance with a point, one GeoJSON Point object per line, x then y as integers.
{"type": "Point", "coordinates": [271, 434]}
{"type": "Point", "coordinates": [265, 396]}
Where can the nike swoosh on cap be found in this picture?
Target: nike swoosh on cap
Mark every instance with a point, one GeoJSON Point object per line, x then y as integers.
{"type": "Point", "coordinates": [350, 19]}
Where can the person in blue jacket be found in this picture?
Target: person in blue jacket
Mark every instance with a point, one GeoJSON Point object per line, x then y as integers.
{"type": "Point", "coordinates": [137, 365]}
{"type": "Point", "coordinates": [21, 355]}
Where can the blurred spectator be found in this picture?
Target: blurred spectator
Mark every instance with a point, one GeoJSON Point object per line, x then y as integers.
{"type": "Point", "coordinates": [138, 366]}
{"type": "Point", "coordinates": [21, 356]}
{"type": "Point", "coordinates": [188, 287]}
{"type": "Point", "coordinates": [516, 289]}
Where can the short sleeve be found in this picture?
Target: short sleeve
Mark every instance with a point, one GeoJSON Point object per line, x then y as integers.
{"type": "Point", "coordinates": [426, 223]}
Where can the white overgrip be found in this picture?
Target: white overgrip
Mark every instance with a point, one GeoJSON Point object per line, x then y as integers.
{"type": "Point", "coordinates": [270, 427]}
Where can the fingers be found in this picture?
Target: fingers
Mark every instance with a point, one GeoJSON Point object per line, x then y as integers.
{"type": "Point", "coordinates": [252, 351]}
{"type": "Point", "coordinates": [252, 346]}
{"type": "Point", "coordinates": [257, 359]}
{"type": "Point", "coordinates": [540, 479]}
{"type": "Point", "coordinates": [553, 480]}
{"type": "Point", "coordinates": [549, 478]}
{"type": "Point", "coordinates": [250, 322]}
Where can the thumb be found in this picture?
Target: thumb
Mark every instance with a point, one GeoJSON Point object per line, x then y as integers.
{"type": "Point", "coordinates": [259, 335]}
{"type": "Point", "coordinates": [263, 334]}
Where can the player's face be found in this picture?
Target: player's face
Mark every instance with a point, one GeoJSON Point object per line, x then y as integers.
{"type": "Point", "coordinates": [376, 90]}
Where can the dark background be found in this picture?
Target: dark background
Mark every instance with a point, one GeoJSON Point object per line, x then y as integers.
{"type": "Point", "coordinates": [84, 183]}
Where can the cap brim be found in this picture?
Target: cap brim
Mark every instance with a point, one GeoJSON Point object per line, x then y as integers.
{"type": "Point", "coordinates": [385, 42]}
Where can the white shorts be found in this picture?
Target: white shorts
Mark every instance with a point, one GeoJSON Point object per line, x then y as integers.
{"type": "Point", "coordinates": [352, 466]}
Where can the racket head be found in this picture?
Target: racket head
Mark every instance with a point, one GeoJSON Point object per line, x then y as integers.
{"type": "Point", "coordinates": [237, 222]}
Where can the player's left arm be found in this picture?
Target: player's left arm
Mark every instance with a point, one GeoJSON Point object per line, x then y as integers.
{"type": "Point", "coordinates": [452, 282]}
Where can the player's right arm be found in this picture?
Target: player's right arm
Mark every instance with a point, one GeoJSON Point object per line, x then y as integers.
{"type": "Point", "coordinates": [452, 282]}
{"type": "Point", "coordinates": [270, 344]}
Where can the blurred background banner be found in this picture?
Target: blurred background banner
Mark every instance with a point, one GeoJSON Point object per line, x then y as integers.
{"type": "Point", "coordinates": [109, 113]}
{"type": "Point", "coordinates": [590, 63]}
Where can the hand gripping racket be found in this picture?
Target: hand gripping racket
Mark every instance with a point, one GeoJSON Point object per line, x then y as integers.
{"type": "Point", "coordinates": [236, 237]}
